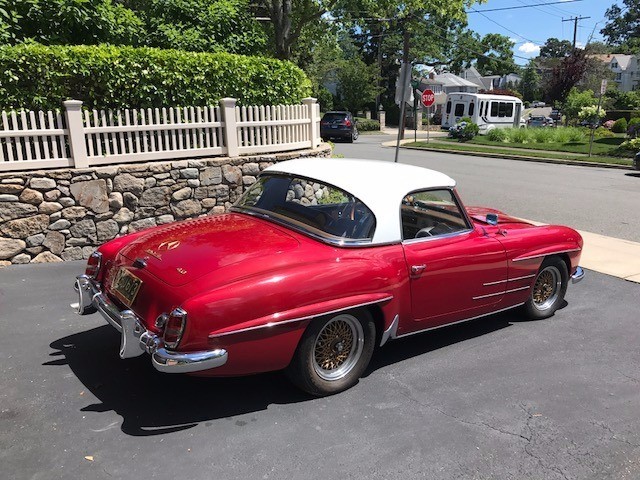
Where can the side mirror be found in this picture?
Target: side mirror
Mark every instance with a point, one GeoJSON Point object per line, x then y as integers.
{"type": "Point", "coordinates": [492, 218]}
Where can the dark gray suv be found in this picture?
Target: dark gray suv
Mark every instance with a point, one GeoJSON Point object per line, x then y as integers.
{"type": "Point", "coordinates": [338, 125]}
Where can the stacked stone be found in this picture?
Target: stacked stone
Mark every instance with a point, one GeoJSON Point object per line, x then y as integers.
{"type": "Point", "coordinates": [51, 216]}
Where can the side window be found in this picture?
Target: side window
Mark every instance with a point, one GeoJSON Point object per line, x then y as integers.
{"type": "Point", "coordinates": [509, 109]}
{"type": "Point", "coordinates": [472, 107]}
{"type": "Point", "coordinates": [494, 108]}
{"type": "Point", "coordinates": [431, 213]}
{"type": "Point", "coordinates": [459, 111]}
{"type": "Point", "coordinates": [449, 106]}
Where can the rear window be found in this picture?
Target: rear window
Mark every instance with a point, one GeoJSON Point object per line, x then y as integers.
{"type": "Point", "coordinates": [459, 111]}
{"type": "Point", "coordinates": [334, 117]}
{"type": "Point", "coordinates": [319, 210]}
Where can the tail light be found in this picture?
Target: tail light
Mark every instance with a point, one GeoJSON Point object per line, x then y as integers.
{"type": "Point", "coordinates": [174, 327]}
{"type": "Point", "coordinates": [93, 265]}
{"type": "Point", "coordinates": [347, 123]}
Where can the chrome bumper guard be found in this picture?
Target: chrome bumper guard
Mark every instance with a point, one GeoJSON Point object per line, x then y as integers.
{"type": "Point", "coordinates": [579, 275]}
{"type": "Point", "coordinates": [135, 339]}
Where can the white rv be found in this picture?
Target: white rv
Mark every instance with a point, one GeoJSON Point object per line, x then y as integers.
{"type": "Point", "coordinates": [486, 110]}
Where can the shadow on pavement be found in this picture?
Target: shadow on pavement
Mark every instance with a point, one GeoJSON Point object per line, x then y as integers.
{"type": "Point", "coordinates": [152, 403]}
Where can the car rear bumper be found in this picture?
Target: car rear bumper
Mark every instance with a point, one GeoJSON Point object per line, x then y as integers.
{"type": "Point", "coordinates": [135, 339]}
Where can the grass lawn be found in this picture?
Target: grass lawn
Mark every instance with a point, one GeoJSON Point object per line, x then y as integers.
{"type": "Point", "coordinates": [512, 150]}
{"type": "Point", "coordinates": [601, 146]}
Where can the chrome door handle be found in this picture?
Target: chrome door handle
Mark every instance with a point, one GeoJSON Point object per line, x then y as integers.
{"type": "Point", "coordinates": [418, 269]}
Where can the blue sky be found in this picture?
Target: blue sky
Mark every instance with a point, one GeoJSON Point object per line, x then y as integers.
{"type": "Point", "coordinates": [530, 27]}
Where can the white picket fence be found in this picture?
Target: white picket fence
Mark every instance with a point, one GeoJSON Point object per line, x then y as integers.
{"type": "Point", "coordinates": [78, 138]}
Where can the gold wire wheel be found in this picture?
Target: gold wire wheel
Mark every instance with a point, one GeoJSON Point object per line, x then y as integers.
{"type": "Point", "coordinates": [338, 347]}
{"type": "Point", "coordinates": [546, 288]}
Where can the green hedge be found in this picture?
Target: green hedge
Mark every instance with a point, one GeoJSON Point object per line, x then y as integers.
{"type": "Point", "coordinates": [367, 125]}
{"type": "Point", "coordinates": [41, 77]}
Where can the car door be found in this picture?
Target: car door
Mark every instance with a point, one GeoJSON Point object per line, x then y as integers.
{"type": "Point", "coordinates": [455, 270]}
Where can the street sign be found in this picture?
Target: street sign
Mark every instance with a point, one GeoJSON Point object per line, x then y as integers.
{"type": "Point", "coordinates": [603, 87]}
{"type": "Point", "coordinates": [428, 98]}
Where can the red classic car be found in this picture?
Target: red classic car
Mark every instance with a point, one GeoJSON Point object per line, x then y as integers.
{"type": "Point", "coordinates": [320, 263]}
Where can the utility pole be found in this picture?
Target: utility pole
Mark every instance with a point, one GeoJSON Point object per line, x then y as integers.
{"type": "Point", "coordinates": [405, 75]}
{"type": "Point", "coordinates": [575, 27]}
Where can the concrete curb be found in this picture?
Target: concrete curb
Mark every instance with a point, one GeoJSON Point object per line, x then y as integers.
{"type": "Point", "coordinates": [514, 157]}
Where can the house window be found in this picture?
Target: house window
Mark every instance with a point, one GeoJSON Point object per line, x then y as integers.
{"type": "Point", "coordinates": [614, 65]}
{"type": "Point", "coordinates": [618, 77]}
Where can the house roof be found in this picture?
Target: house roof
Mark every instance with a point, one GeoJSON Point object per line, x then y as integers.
{"type": "Point", "coordinates": [451, 80]}
{"type": "Point", "coordinates": [623, 60]}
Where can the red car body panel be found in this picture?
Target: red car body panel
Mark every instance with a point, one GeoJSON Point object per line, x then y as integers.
{"type": "Point", "coordinates": [251, 286]}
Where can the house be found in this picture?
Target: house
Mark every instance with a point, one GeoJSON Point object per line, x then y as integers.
{"type": "Point", "coordinates": [490, 82]}
{"type": "Point", "coordinates": [626, 70]}
{"type": "Point", "coordinates": [444, 83]}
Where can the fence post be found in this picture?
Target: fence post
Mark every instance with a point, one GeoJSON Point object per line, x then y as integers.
{"type": "Point", "coordinates": [313, 126]}
{"type": "Point", "coordinates": [230, 131]}
{"type": "Point", "coordinates": [73, 113]}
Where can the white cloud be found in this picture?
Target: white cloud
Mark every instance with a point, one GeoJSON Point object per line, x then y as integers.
{"type": "Point", "coordinates": [529, 47]}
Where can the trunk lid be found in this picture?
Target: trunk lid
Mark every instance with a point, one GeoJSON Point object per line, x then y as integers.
{"type": "Point", "coordinates": [182, 252]}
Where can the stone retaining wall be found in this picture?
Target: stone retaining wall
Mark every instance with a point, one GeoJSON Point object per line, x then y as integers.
{"type": "Point", "coordinates": [56, 215]}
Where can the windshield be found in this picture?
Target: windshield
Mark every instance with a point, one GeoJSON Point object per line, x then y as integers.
{"type": "Point", "coordinates": [320, 210]}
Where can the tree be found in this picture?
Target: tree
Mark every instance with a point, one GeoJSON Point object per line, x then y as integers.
{"type": "Point", "coordinates": [576, 101]}
{"type": "Point", "coordinates": [554, 48]}
{"type": "Point", "coordinates": [497, 55]}
{"type": "Point", "coordinates": [566, 75]}
{"type": "Point", "coordinates": [71, 22]}
{"type": "Point", "coordinates": [623, 24]}
{"type": "Point", "coordinates": [530, 83]}
{"type": "Point", "coordinates": [356, 84]}
{"type": "Point", "coordinates": [202, 25]}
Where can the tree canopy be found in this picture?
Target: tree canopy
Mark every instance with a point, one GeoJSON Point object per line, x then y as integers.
{"type": "Point", "coordinates": [623, 25]}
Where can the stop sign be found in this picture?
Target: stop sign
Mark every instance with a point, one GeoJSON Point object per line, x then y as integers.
{"type": "Point", "coordinates": [428, 98]}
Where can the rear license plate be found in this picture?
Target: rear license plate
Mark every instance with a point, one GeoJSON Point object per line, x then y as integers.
{"type": "Point", "coordinates": [126, 285]}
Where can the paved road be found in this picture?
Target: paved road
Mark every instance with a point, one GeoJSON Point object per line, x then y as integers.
{"type": "Point", "coordinates": [496, 398]}
{"type": "Point", "coordinates": [597, 200]}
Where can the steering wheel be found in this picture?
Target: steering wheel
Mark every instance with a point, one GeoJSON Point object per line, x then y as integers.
{"type": "Point", "coordinates": [424, 232]}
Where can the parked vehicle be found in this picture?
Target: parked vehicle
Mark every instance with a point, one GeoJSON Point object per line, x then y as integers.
{"type": "Point", "coordinates": [636, 161]}
{"type": "Point", "coordinates": [486, 111]}
{"type": "Point", "coordinates": [316, 266]}
{"type": "Point", "coordinates": [556, 115]}
{"type": "Point", "coordinates": [539, 121]}
{"type": "Point", "coordinates": [340, 125]}
{"type": "Point", "coordinates": [537, 104]}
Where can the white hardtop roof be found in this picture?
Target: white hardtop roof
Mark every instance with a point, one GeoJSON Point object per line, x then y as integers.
{"type": "Point", "coordinates": [380, 185]}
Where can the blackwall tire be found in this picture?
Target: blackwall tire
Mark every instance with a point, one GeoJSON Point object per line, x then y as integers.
{"type": "Point", "coordinates": [333, 353]}
{"type": "Point", "coordinates": [548, 290]}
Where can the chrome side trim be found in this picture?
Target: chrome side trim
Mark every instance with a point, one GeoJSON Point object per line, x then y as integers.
{"type": "Point", "coordinates": [410, 241]}
{"type": "Point", "coordinates": [299, 319]}
{"type": "Point", "coordinates": [502, 293]}
{"type": "Point", "coordinates": [508, 280]}
{"type": "Point", "coordinates": [545, 254]}
{"type": "Point", "coordinates": [578, 276]}
{"type": "Point", "coordinates": [391, 331]}
{"type": "Point", "coordinates": [460, 321]}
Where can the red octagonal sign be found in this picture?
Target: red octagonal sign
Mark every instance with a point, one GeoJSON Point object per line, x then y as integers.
{"type": "Point", "coordinates": [428, 98]}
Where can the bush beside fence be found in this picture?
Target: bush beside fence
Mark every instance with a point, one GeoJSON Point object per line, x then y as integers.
{"type": "Point", "coordinates": [38, 77]}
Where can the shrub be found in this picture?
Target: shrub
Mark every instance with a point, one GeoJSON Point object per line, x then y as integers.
{"type": "Point", "coordinates": [105, 76]}
{"type": "Point", "coordinates": [632, 145]}
{"type": "Point", "coordinates": [464, 130]}
{"type": "Point", "coordinates": [602, 132]}
{"type": "Point", "coordinates": [498, 135]}
{"type": "Point", "coordinates": [542, 135]}
{"type": "Point", "coordinates": [608, 124]}
{"type": "Point", "coordinates": [619, 126]}
{"type": "Point", "coordinates": [367, 125]}
{"type": "Point", "coordinates": [519, 135]}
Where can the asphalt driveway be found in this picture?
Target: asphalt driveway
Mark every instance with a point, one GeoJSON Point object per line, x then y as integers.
{"type": "Point", "coordinates": [495, 398]}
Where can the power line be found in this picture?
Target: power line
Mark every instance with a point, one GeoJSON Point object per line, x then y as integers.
{"type": "Point", "coordinates": [505, 28]}
{"type": "Point", "coordinates": [514, 7]}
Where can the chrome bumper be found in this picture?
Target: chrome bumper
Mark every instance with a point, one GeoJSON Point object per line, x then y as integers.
{"type": "Point", "coordinates": [135, 339]}
{"type": "Point", "coordinates": [579, 275]}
